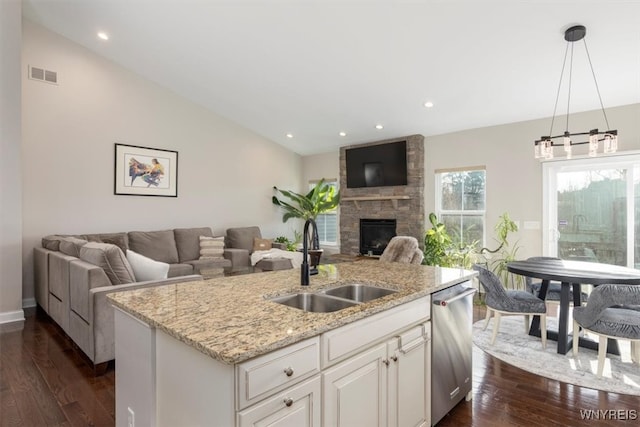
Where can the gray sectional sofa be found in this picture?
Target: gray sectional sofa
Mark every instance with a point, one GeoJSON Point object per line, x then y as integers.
{"type": "Point", "coordinates": [73, 275]}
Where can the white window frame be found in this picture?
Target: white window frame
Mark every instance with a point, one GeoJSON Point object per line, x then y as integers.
{"type": "Point", "coordinates": [440, 211]}
{"type": "Point", "coordinates": [629, 160]}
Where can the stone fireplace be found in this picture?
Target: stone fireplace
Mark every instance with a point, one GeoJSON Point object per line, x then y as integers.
{"type": "Point", "coordinates": [402, 203]}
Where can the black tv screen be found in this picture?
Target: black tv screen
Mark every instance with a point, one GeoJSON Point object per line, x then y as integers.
{"type": "Point", "coordinates": [377, 165]}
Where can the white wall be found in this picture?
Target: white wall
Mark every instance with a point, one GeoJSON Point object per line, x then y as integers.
{"type": "Point", "coordinates": [10, 163]}
{"type": "Point", "coordinates": [514, 177]}
{"type": "Point", "coordinates": [226, 172]}
{"type": "Point", "coordinates": [318, 166]}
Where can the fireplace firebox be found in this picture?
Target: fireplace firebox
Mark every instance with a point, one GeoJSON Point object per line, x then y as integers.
{"type": "Point", "coordinates": [375, 235]}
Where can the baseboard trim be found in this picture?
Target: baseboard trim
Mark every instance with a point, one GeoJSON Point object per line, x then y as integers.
{"type": "Point", "coordinates": [29, 303]}
{"type": "Point", "coordinates": [11, 316]}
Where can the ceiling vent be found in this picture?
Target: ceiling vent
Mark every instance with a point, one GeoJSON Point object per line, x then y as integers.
{"type": "Point", "coordinates": [43, 75]}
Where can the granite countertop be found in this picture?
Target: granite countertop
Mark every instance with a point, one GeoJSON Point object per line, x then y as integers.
{"type": "Point", "coordinates": [231, 319]}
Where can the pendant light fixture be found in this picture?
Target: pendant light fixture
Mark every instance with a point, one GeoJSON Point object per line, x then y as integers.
{"type": "Point", "coordinates": [609, 139]}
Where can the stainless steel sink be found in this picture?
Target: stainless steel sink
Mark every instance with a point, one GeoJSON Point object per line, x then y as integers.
{"type": "Point", "coordinates": [316, 303]}
{"type": "Point", "coordinates": [359, 292]}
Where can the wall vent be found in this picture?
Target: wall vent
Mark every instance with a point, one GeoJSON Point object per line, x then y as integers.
{"type": "Point", "coordinates": [43, 75]}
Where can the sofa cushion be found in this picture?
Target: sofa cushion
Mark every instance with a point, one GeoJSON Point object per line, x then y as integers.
{"type": "Point", "coordinates": [52, 242]}
{"type": "Point", "coordinates": [71, 246]}
{"type": "Point", "coordinates": [242, 237]}
{"type": "Point", "coordinates": [157, 245]}
{"type": "Point", "coordinates": [204, 264]}
{"type": "Point", "coordinates": [177, 270]}
{"type": "Point", "coordinates": [111, 259]}
{"type": "Point", "coordinates": [188, 242]}
{"type": "Point", "coordinates": [261, 244]}
{"type": "Point", "coordinates": [119, 239]}
{"type": "Point", "coordinates": [211, 247]}
{"type": "Point", "coordinates": [145, 268]}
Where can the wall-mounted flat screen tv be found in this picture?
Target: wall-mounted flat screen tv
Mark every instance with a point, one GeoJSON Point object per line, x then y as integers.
{"type": "Point", "coordinates": [377, 165]}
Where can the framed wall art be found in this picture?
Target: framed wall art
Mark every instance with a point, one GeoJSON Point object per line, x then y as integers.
{"type": "Point", "coordinates": [144, 171]}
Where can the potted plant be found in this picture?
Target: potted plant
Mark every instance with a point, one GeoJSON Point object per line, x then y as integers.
{"type": "Point", "coordinates": [321, 198]}
{"type": "Point", "coordinates": [437, 242]}
{"type": "Point", "coordinates": [505, 252]}
{"type": "Point", "coordinates": [292, 245]}
{"type": "Point", "coordinates": [440, 248]}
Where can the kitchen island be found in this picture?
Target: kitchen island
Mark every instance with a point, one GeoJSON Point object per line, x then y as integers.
{"type": "Point", "coordinates": [220, 352]}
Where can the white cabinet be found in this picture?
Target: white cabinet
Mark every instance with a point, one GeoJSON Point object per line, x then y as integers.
{"type": "Point", "coordinates": [409, 373]}
{"type": "Point", "coordinates": [298, 406]}
{"type": "Point", "coordinates": [386, 385]}
{"type": "Point", "coordinates": [355, 391]}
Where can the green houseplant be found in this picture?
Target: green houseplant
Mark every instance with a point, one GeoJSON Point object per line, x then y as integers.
{"type": "Point", "coordinates": [321, 198]}
{"type": "Point", "coordinates": [441, 249]}
{"type": "Point", "coordinates": [505, 252]}
{"type": "Point", "coordinates": [437, 242]}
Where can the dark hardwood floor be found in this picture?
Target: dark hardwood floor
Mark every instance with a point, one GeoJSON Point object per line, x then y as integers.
{"type": "Point", "coordinates": [45, 382]}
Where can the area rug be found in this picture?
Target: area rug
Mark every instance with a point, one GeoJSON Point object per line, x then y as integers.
{"type": "Point", "coordinates": [516, 348]}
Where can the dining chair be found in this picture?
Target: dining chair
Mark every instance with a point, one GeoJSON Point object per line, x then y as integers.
{"type": "Point", "coordinates": [553, 291]}
{"type": "Point", "coordinates": [612, 311]}
{"type": "Point", "coordinates": [501, 301]}
{"type": "Point", "coordinates": [403, 249]}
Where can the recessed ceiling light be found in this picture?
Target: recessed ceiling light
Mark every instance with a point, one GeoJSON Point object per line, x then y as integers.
{"type": "Point", "coordinates": [102, 35]}
{"type": "Point", "coordinates": [342, 134]}
{"type": "Point", "coordinates": [428, 104]}
{"type": "Point", "coordinates": [379, 127]}
{"type": "Point", "coordinates": [289, 135]}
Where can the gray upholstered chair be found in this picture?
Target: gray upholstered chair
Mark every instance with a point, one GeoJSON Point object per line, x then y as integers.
{"type": "Point", "coordinates": [553, 291]}
{"type": "Point", "coordinates": [612, 311]}
{"type": "Point", "coordinates": [500, 301]}
{"type": "Point", "coordinates": [403, 249]}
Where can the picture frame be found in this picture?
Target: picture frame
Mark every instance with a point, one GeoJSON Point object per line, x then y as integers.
{"type": "Point", "coordinates": [145, 171]}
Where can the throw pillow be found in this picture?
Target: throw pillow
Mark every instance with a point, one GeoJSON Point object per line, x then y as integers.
{"type": "Point", "coordinates": [111, 259]}
{"type": "Point", "coordinates": [261, 244]}
{"type": "Point", "coordinates": [145, 268]}
{"type": "Point", "coordinates": [211, 247]}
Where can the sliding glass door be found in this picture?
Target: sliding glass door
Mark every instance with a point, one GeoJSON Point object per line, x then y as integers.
{"type": "Point", "coordinates": [592, 209]}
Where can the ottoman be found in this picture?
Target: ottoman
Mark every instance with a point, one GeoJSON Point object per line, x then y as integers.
{"type": "Point", "coordinates": [274, 264]}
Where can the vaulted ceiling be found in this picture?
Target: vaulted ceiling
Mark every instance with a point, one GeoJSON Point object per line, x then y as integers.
{"type": "Point", "coordinates": [315, 68]}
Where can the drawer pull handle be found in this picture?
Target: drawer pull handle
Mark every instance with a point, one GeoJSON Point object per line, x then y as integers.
{"type": "Point", "coordinates": [288, 401]}
{"type": "Point", "coordinates": [289, 372]}
{"type": "Point", "coordinates": [394, 358]}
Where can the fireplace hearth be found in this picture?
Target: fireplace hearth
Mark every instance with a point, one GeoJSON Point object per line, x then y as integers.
{"type": "Point", "coordinates": [375, 235]}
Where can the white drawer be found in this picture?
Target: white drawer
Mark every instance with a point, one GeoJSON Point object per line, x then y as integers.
{"type": "Point", "coordinates": [259, 377]}
{"type": "Point", "coordinates": [299, 406]}
{"type": "Point", "coordinates": [356, 336]}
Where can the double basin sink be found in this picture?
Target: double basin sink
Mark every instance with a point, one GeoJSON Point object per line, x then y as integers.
{"type": "Point", "coordinates": [334, 299]}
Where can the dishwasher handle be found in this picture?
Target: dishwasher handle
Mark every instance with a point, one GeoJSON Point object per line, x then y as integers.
{"type": "Point", "coordinates": [445, 302]}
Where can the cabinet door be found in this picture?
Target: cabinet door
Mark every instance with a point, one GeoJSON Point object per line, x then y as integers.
{"type": "Point", "coordinates": [355, 391]}
{"type": "Point", "coordinates": [298, 406]}
{"type": "Point", "coordinates": [409, 378]}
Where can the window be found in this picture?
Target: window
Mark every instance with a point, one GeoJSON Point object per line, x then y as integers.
{"type": "Point", "coordinates": [460, 203]}
{"type": "Point", "coordinates": [592, 209]}
{"type": "Point", "coordinates": [327, 222]}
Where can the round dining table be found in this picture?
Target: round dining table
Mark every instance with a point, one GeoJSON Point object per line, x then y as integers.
{"type": "Point", "coordinates": [572, 275]}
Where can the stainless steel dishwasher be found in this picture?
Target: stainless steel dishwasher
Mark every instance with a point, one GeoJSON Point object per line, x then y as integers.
{"type": "Point", "coordinates": [451, 349]}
